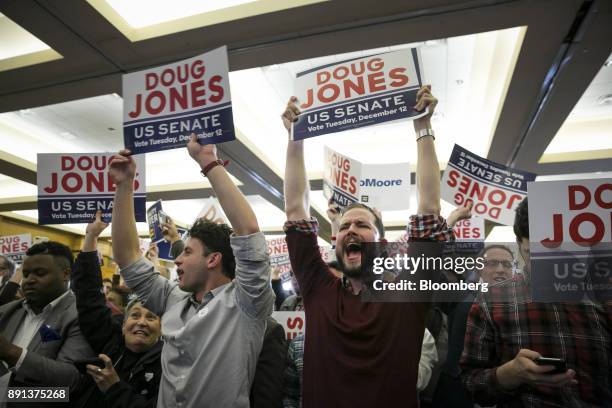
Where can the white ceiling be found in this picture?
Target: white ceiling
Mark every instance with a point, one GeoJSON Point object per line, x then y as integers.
{"type": "Point", "coordinates": [464, 72]}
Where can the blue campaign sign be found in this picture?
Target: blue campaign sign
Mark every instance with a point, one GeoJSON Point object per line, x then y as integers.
{"type": "Point", "coordinates": [163, 106]}
{"type": "Point", "coordinates": [358, 92]}
{"type": "Point", "coordinates": [165, 246]}
{"type": "Point", "coordinates": [72, 187]}
{"type": "Point", "coordinates": [156, 217]}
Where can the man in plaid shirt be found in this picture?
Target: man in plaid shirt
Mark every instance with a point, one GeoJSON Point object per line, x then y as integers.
{"type": "Point", "coordinates": [506, 331]}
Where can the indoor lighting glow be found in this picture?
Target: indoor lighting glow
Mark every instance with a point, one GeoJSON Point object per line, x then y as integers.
{"type": "Point", "coordinates": [144, 13]}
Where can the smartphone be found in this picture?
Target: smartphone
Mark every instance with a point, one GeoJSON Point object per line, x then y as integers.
{"type": "Point", "coordinates": [558, 363]}
{"type": "Point", "coordinates": [81, 365]}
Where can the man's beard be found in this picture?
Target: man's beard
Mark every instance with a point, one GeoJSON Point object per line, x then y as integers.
{"type": "Point", "coordinates": [368, 253]}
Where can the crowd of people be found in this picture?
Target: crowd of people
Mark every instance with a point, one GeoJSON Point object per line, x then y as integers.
{"type": "Point", "coordinates": [207, 339]}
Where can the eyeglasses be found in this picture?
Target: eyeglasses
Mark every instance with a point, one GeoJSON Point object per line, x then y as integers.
{"type": "Point", "coordinates": [493, 263]}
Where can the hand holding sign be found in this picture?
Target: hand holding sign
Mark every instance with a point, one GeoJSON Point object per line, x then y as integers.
{"type": "Point", "coordinates": [425, 100]}
{"type": "Point", "coordinates": [334, 214]}
{"type": "Point", "coordinates": [460, 213]}
{"type": "Point", "coordinates": [202, 154]}
{"type": "Point", "coordinates": [95, 228]}
{"type": "Point", "coordinates": [290, 114]}
{"type": "Point", "coordinates": [169, 230]}
{"type": "Point", "coordinates": [122, 167]}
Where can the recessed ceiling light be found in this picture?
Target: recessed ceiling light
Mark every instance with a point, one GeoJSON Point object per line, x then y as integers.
{"type": "Point", "coordinates": [605, 100]}
{"type": "Point", "coordinates": [67, 135]}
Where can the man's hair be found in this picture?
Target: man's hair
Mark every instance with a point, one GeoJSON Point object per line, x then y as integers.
{"type": "Point", "coordinates": [216, 238]}
{"type": "Point", "coordinates": [107, 280]}
{"type": "Point", "coordinates": [377, 221]}
{"type": "Point", "coordinates": [521, 220]}
{"type": "Point", "coordinates": [495, 246]}
{"type": "Point", "coordinates": [62, 255]}
{"type": "Point", "coordinates": [8, 262]}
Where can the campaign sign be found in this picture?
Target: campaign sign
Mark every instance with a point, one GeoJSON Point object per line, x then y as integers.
{"type": "Point", "coordinates": [570, 239]}
{"type": "Point", "coordinates": [73, 186]}
{"type": "Point", "coordinates": [294, 323]}
{"type": "Point", "coordinates": [212, 211]}
{"type": "Point", "coordinates": [357, 92]}
{"type": "Point", "coordinates": [155, 218]}
{"type": "Point", "coordinates": [469, 236]}
{"type": "Point", "coordinates": [385, 186]}
{"type": "Point", "coordinates": [15, 246]}
{"type": "Point", "coordinates": [495, 189]}
{"type": "Point", "coordinates": [165, 247]}
{"type": "Point", "coordinates": [279, 254]}
{"type": "Point", "coordinates": [341, 178]}
{"type": "Point", "coordinates": [164, 105]}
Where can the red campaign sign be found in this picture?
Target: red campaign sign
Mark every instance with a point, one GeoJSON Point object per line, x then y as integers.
{"type": "Point", "coordinates": [470, 230]}
{"type": "Point", "coordinates": [294, 323]}
{"type": "Point", "coordinates": [12, 244]}
{"type": "Point", "coordinates": [571, 212]}
{"type": "Point", "coordinates": [494, 189]}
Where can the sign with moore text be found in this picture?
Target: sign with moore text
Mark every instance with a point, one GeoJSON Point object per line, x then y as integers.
{"type": "Point", "coordinates": [570, 239]}
{"type": "Point", "coordinates": [495, 189]}
{"type": "Point", "coordinates": [15, 246]}
{"type": "Point", "coordinates": [357, 92]}
{"type": "Point", "coordinates": [73, 186]}
{"type": "Point", "coordinates": [383, 186]}
{"type": "Point", "coordinates": [294, 323]}
{"type": "Point", "coordinates": [164, 105]}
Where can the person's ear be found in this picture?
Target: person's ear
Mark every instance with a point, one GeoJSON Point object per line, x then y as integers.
{"type": "Point", "coordinates": [214, 259]}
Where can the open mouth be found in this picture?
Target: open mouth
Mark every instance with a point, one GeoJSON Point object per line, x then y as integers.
{"type": "Point", "coordinates": [500, 278]}
{"type": "Point", "coordinates": [141, 333]}
{"type": "Point", "coordinates": [180, 273]}
{"type": "Point", "coordinates": [352, 251]}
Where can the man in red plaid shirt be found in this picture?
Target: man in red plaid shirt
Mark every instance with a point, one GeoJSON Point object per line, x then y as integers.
{"type": "Point", "coordinates": [356, 353]}
{"type": "Point", "coordinates": [506, 332]}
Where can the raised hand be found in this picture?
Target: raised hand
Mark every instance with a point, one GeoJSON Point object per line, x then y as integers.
{"type": "Point", "coordinates": [169, 230]}
{"type": "Point", "coordinates": [122, 167]}
{"type": "Point", "coordinates": [202, 154]}
{"type": "Point", "coordinates": [290, 114]}
{"type": "Point", "coordinates": [96, 227]}
{"type": "Point", "coordinates": [459, 213]}
{"type": "Point", "coordinates": [425, 100]}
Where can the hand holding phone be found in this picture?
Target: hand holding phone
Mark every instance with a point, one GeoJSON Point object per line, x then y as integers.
{"type": "Point", "coordinates": [558, 363]}
{"type": "Point", "coordinates": [81, 365]}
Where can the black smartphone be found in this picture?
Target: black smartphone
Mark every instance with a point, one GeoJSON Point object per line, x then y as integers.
{"type": "Point", "coordinates": [558, 363]}
{"type": "Point", "coordinates": [81, 365]}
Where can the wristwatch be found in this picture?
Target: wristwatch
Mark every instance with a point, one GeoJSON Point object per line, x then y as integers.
{"type": "Point", "coordinates": [425, 132]}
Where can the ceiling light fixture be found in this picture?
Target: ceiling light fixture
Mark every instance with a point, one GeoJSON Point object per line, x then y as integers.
{"type": "Point", "coordinates": [605, 100]}
{"type": "Point", "coordinates": [68, 135]}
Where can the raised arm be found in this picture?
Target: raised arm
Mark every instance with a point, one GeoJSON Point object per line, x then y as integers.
{"type": "Point", "coordinates": [95, 319]}
{"type": "Point", "coordinates": [428, 169]}
{"type": "Point", "coordinates": [126, 247]}
{"type": "Point", "coordinates": [296, 182]}
{"type": "Point", "coordinates": [156, 293]}
{"type": "Point", "coordinates": [233, 202]}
